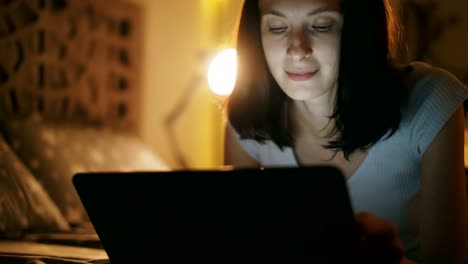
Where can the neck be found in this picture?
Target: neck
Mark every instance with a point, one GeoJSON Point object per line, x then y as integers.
{"type": "Point", "coordinates": [312, 117]}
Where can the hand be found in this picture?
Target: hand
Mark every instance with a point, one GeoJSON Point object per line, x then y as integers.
{"type": "Point", "coordinates": [368, 240]}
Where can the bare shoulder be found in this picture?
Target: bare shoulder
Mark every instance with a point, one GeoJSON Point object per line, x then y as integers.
{"type": "Point", "coordinates": [443, 195]}
{"type": "Point", "coordinates": [445, 155]}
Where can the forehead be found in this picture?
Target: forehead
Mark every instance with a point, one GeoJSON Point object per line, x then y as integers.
{"type": "Point", "coordinates": [297, 5]}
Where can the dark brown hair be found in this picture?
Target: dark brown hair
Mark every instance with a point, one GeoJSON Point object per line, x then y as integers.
{"type": "Point", "coordinates": [367, 103]}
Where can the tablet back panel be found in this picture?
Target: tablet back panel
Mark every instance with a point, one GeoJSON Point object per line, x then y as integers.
{"type": "Point", "coordinates": [215, 216]}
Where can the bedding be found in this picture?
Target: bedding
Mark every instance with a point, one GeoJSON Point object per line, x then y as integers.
{"type": "Point", "coordinates": [24, 205]}
{"type": "Point", "coordinates": [24, 252]}
{"type": "Point", "coordinates": [55, 152]}
{"type": "Point", "coordinates": [42, 219]}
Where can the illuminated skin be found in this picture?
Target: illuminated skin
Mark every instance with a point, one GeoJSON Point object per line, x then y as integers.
{"type": "Point", "coordinates": [301, 43]}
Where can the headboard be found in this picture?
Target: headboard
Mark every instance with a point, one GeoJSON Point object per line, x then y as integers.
{"type": "Point", "coordinates": [71, 60]}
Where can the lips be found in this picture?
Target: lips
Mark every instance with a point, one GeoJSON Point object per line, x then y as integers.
{"type": "Point", "coordinates": [301, 75]}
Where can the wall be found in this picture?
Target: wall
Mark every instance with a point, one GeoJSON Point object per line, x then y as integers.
{"type": "Point", "coordinates": [178, 39]}
{"type": "Point", "coordinates": [437, 32]}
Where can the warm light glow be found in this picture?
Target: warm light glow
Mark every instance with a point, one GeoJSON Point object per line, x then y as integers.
{"type": "Point", "coordinates": [466, 148]}
{"type": "Point", "coordinates": [222, 72]}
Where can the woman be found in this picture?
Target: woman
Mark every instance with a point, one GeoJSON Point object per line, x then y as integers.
{"type": "Point", "coordinates": [318, 83]}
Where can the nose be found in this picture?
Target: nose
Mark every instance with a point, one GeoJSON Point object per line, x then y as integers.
{"type": "Point", "coordinates": [299, 45]}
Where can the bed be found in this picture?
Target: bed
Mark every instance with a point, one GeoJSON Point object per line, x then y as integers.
{"type": "Point", "coordinates": [69, 102]}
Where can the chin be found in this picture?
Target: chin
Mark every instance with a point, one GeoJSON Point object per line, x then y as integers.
{"type": "Point", "coordinates": [300, 95]}
{"type": "Point", "coordinates": [304, 91]}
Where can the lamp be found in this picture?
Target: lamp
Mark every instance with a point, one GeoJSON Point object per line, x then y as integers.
{"type": "Point", "coordinates": [218, 73]}
{"type": "Point", "coordinates": [222, 72]}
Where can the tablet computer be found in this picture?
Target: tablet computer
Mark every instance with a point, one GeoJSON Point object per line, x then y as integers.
{"type": "Point", "coordinates": [215, 216]}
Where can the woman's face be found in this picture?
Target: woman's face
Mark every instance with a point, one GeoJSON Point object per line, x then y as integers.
{"type": "Point", "coordinates": [301, 41]}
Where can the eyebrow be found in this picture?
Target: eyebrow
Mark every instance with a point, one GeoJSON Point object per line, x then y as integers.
{"type": "Point", "coordinates": [314, 12]}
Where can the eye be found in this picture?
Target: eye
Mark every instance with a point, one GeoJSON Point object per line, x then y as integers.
{"type": "Point", "coordinates": [322, 28]}
{"type": "Point", "coordinates": [277, 29]}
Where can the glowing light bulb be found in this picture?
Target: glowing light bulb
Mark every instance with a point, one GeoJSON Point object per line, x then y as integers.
{"type": "Point", "coordinates": [222, 72]}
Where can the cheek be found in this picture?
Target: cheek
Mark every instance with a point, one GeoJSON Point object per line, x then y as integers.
{"type": "Point", "coordinates": [328, 53]}
{"type": "Point", "coordinates": [274, 62]}
{"type": "Point", "coordinates": [334, 49]}
{"type": "Point", "coordinates": [273, 52]}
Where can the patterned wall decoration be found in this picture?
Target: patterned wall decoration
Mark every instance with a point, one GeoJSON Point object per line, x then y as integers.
{"type": "Point", "coordinates": [71, 59]}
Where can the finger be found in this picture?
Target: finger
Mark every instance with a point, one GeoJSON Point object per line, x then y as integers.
{"type": "Point", "coordinates": [378, 241]}
{"type": "Point", "coordinates": [366, 226]}
{"type": "Point", "coordinates": [374, 228]}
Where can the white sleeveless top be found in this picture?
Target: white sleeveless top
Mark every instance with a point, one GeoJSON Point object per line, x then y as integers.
{"type": "Point", "coordinates": [389, 177]}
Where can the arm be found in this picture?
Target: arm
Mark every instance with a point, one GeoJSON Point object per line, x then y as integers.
{"type": "Point", "coordinates": [443, 196]}
{"type": "Point", "coordinates": [234, 154]}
